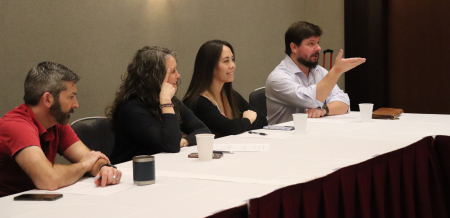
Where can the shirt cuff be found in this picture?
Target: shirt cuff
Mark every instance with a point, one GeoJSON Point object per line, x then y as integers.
{"type": "Point", "coordinates": [312, 95]}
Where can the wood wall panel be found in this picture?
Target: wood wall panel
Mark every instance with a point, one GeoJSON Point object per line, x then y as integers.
{"type": "Point", "coordinates": [407, 46]}
{"type": "Point", "coordinates": [419, 50]}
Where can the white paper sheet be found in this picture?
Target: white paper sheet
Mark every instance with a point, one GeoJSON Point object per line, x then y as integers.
{"type": "Point", "coordinates": [86, 186]}
{"type": "Point", "coordinates": [241, 147]}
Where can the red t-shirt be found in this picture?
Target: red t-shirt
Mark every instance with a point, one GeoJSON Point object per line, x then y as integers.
{"type": "Point", "coordinates": [19, 129]}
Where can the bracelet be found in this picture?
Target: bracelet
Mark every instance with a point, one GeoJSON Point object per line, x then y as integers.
{"type": "Point", "coordinates": [108, 165]}
{"type": "Point", "coordinates": [166, 105]}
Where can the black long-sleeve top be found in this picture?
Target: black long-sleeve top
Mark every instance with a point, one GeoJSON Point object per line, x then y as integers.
{"type": "Point", "coordinates": [137, 132]}
{"type": "Point", "coordinates": [220, 125]}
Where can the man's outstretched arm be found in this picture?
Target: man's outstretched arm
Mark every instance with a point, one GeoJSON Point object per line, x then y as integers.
{"type": "Point", "coordinates": [342, 65]}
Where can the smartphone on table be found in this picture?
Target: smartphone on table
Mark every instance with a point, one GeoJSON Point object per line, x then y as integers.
{"type": "Point", "coordinates": [38, 197]}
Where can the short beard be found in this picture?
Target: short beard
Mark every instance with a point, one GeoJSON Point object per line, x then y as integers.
{"type": "Point", "coordinates": [60, 116]}
{"type": "Point", "coordinates": [308, 64]}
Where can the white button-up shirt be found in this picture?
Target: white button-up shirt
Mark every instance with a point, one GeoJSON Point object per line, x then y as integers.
{"type": "Point", "coordinates": [289, 91]}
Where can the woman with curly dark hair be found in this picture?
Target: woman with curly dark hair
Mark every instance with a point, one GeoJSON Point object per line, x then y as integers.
{"type": "Point", "coordinates": [211, 96]}
{"type": "Point", "coordinates": [146, 115]}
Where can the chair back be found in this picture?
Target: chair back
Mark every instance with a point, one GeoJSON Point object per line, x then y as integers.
{"type": "Point", "coordinates": [95, 133]}
{"type": "Point", "coordinates": [258, 100]}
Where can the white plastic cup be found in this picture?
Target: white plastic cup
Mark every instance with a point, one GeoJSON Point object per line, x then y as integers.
{"type": "Point", "coordinates": [205, 144]}
{"type": "Point", "coordinates": [300, 120]}
{"type": "Point", "coordinates": [365, 110]}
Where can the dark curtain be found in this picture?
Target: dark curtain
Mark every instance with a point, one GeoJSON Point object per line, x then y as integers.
{"type": "Point", "coordinates": [410, 182]}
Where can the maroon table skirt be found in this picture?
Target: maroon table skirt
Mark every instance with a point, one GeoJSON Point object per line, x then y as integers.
{"type": "Point", "coordinates": [410, 182]}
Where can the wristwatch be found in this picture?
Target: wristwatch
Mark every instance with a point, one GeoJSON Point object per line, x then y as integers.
{"type": "Point", "coordinates": [108, 165]}
{"type": "Point", "coordinates": [327, 111]}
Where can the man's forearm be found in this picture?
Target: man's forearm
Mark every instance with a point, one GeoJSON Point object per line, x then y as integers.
{"type": "Point", "coordinates": [69, 174]}
{"type": "Point", "coordinates": [337, 108]}
{"type": "Point", "coordinates": [62, 176]}
{"type": "Point", "coordinates": [326, 85]}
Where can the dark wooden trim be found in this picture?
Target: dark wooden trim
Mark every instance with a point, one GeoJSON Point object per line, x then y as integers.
{"type": "Point", "coordinates": [366, 36]}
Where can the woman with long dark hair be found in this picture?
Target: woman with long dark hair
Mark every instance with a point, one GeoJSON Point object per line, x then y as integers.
{"type": "Point", "coordinates": [211, 96]}
{"type": "Point", "coordinates": [146, 115]}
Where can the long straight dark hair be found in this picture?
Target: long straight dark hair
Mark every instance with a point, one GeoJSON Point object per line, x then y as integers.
{"type": "Point", "coordinates": [143, 80]}
{"type": "Point", "coordinates": [206, 61]}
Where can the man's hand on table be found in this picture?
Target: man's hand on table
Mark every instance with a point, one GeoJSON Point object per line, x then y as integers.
{"type": "Point", "coordinates": [108, 176]}
{"type": "Point", "coordinates": [315, 113]}
{"type": "Point", "coordinates": [90, 158]}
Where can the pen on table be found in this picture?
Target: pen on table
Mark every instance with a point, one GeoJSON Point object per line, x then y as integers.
{"type": "Point", "coordinates": [221, 152]}
{"type": "Point", "coordinates": [259, 133]}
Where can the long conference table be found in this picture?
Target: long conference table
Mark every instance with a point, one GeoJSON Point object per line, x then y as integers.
{"type": "Point", "coordinates": [342, 167]}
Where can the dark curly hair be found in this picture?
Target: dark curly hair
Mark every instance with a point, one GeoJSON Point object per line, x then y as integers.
{"type": "Point", "coordinates": [143, 80]}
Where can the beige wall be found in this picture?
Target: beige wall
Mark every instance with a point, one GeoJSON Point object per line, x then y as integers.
{"type": "Point", "coordinates": [96, 39]}
{"type": "Point", "coordinates": [329, 15]}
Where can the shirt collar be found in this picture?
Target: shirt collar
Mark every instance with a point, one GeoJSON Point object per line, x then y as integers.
{"type": "Point", "coordinates": [39, 126]}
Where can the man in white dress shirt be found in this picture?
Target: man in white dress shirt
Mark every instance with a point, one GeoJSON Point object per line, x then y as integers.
{"type": "Point", "coordinates": [299, 85]}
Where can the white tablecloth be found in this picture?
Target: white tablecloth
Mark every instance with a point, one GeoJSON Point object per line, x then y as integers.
{"type": "Point", "coordinates": [187, 187]}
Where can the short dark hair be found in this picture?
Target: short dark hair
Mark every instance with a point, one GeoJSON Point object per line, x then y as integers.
{"type": "Point", "coordinates": [299, 31]}
{"type": "Point", "coordinates": [47, 77]}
